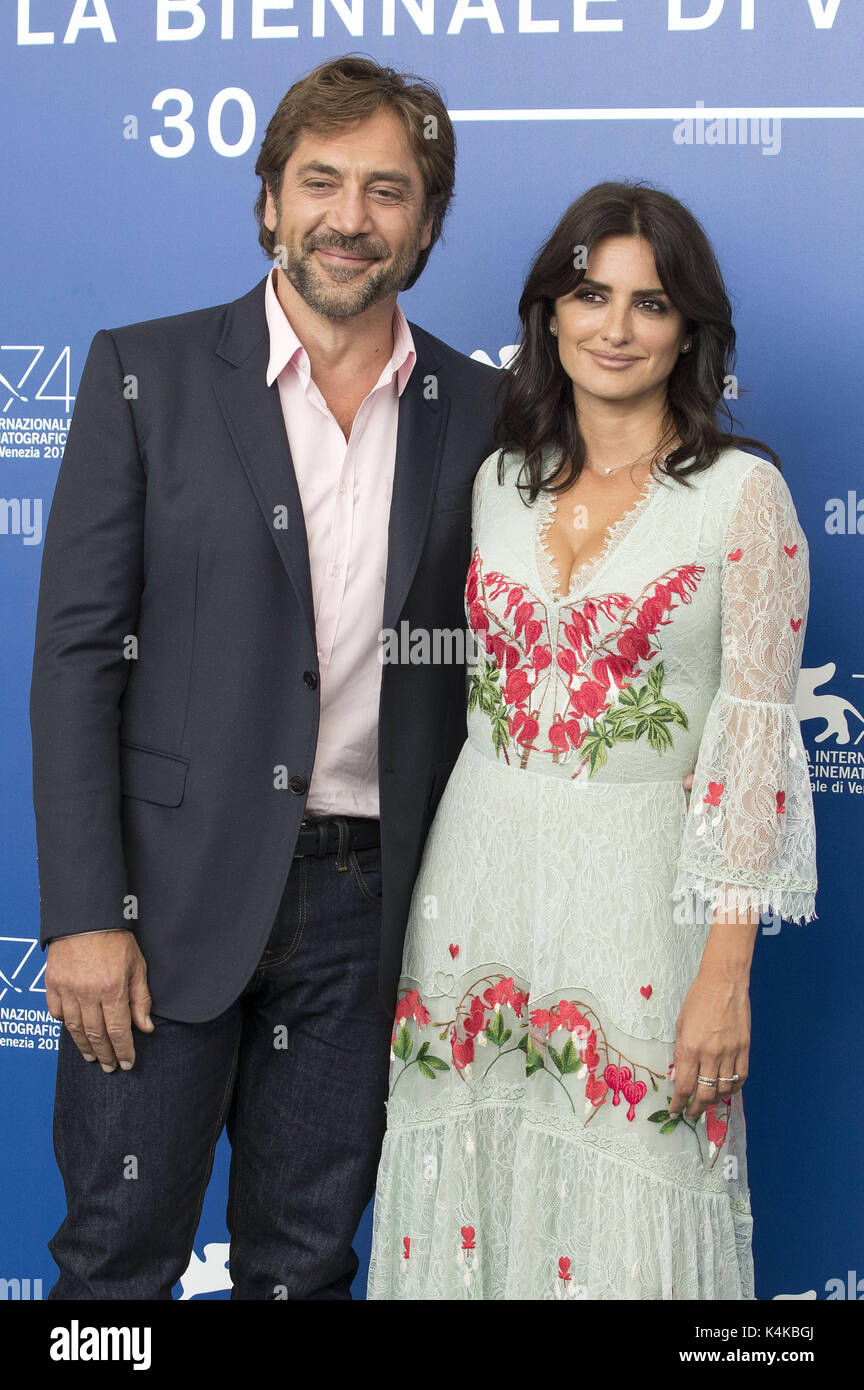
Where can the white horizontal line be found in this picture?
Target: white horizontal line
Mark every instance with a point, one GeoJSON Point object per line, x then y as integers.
{"type": "Point", "coordinates": [666, 113]}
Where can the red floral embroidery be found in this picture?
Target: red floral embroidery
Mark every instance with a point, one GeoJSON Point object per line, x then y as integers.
{"type": "Point", "coordinates": [471, 1018]}
{"type": "Point", "coordinates": [633, 1092]}
{"type": "Point", "coordinates": [476, 1019]}
{"type": "Point", "coordinates": [591, 1057]}
{"type": "Point", "coordinates": [463, 1052]}
{"type": "Point", "coordinates": [619, 1079]}
{"type": "Point", "coordinates": [595, 1089]}
{"type": "Point", "coordinates": [402, 1047]}
{"type": "Point", "coordinates": [565, 1016]}
{"type": "Point", "coordinates": [492, 1018]}
{"type": "Point", "coordinates": [781, 803]}
{"type": "Point", "coordinates": [716, 1129]}
{"type": "Point", "coordinates": [505, 992]}
{"type": "Point", "coordinates": [589, 669]}
{"type": "Point", "coordinates": [473, 1023]}
{"type": "Point", "coordinates": [564, 1268]}
{"type": "Point", "coordinates": [409, 1006]}
{"type": "Point", "coordinates": [466, 1256]}
{"type": "Point", "coordinates": [615, 1078]}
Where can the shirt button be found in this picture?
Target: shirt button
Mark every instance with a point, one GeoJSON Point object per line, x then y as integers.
{"type": "Point", "coordinates": [342, 487]}
{"type": "Point", "coordinates": [334, 570]}
{"type": "Point", "coordinates": [310, 680]}
{"type": "Point", "coordinates": [298, 785]}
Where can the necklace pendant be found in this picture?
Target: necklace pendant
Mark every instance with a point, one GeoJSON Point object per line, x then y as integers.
{"type": "Point", "coordinates": [607, 470]}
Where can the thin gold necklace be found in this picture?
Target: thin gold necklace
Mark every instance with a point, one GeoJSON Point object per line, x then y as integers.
{"type": "Point", "coordinates": [616, 467]}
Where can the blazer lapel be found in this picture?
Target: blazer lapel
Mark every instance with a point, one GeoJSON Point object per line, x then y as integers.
{"type": "Point", "coordinates": [253, 414]}
{"type": "Point", "coordinates": [423, 415]}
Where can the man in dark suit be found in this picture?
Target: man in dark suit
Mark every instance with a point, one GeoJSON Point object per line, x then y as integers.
{"type": "Point", "coordinates": [232, 791]}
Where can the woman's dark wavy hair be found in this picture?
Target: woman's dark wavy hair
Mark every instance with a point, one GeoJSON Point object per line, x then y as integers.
{"type": "Point", "coordinates": [537, 407]}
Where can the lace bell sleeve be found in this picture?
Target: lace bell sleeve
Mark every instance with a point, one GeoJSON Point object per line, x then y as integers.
{"type": "Point", "coordinates": [749, 838]}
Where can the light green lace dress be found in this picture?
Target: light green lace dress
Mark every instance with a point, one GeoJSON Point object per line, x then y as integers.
{"type": "Point", "coordinates": [565, 895]}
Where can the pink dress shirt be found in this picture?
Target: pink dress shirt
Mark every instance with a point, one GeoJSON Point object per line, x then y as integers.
{"type": "Point", "coordinates": [345, 488]}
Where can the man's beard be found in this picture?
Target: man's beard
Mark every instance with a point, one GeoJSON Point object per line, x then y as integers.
{"type": "Point", "coordinates": [310, 281]}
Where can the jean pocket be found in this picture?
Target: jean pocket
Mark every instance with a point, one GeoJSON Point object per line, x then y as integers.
{"type": "Point", "coordinates": [366, 868]}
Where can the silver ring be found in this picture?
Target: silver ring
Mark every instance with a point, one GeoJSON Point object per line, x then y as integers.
{"type": "Point", "coordinates": [736, 1077]}
{"type": "Point", "coordinates": [707, 1080]}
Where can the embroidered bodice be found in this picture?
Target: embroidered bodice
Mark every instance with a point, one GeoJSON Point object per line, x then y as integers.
{"type": "Point", "coordinates": [677, 646]}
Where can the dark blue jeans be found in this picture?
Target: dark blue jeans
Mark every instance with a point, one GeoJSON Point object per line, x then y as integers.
{"type": "Point", "coordinates": [296, 1068]}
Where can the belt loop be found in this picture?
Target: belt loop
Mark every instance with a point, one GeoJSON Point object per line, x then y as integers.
{"type": "Point", "coordinates": [342, 846]}
{"type": "Point", "coordinates": [321, 827]}
{"type": "Point", "coordinates": [298, 854]}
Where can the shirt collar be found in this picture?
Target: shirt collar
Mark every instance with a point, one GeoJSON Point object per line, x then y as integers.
{"type": "Point", "coordinates": [286, 348]}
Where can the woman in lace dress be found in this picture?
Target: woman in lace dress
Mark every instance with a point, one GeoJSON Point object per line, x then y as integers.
{"type": "Point", "coordinates": [571, 1038]}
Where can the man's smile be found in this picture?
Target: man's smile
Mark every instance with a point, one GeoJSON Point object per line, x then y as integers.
{"type": "Point", "coordinates": [331, 255]}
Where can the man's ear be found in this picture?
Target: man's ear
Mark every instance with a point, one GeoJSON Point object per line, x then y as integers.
{"type": "Point", "coordinates": [426, 235]}
{"type": "Point", "coordinates": [270, 212]}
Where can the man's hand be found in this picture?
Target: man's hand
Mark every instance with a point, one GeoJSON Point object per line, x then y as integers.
{"type": "Point", "coordinates": [97, 985]}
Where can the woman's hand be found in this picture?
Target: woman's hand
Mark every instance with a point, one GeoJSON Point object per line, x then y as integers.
{"type": "Point", "coordinates": [712, 1038]}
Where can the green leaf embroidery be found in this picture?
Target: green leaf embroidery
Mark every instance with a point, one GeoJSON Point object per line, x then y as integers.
{"type": "Point", "coordinates": [533, 1058]}
{"type": "Point", "coordinates": [570, 1059]}
{"type": "Point", "coordinates": [437, 1063]}
{"type": "Point", "coordinates": [567, 1059]}
{"type": "Point", "coordinates": [496, 1032]}
{"type": "Point", "coordinates": [661, 1118]}
{"type": "Point", "coordinates": [484, 693]}
{"type": "Point", "coordinates": [403, 1046]}
{"type": "Point", "coordinates": [640, 712]}
{"type": "Point", "coordinates": [500, 731]}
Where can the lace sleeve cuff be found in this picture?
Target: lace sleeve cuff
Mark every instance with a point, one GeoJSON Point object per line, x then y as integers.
{"type": "Point", "coordinates": [749, 838]}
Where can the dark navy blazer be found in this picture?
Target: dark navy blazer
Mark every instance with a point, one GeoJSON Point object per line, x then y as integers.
{"type": "Point", "coordinates": [175, 639]}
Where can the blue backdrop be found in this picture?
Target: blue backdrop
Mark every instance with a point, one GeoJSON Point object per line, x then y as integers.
{"type": "Point", "coordinates": [131, 129]}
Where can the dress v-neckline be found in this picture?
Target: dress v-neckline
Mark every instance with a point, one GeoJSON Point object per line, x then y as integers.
{"type": "Point", "coordinates": [585, 571]}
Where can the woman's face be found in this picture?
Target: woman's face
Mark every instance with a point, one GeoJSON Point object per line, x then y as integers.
{"type": "Point", "coordinates": [618, 333]}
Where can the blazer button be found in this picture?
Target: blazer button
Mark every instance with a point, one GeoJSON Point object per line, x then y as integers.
{"type": "Point", "coordinates": [310, 680]}
{"type": "Point", "coordinates": [298, 785]}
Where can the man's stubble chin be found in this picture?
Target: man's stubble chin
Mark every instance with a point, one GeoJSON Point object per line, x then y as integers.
{"type": "Point", "coordinates": [332, 303]}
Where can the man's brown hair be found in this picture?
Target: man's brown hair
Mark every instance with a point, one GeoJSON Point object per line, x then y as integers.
{"type": "Point", "coordinates": [341, 93]}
